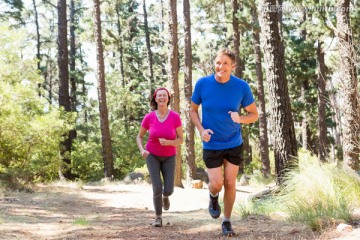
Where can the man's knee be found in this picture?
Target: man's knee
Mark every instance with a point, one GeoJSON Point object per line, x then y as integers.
{"type": "Point", "coordinates": [230, 183]}
{"type": "Point", "coordinates": [216, 185]}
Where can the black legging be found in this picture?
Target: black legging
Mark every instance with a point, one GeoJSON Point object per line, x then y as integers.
{"type": "Point", "coordinates": [165, 165]}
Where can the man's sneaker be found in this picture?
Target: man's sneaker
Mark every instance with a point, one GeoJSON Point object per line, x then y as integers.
{"type": "Point", "coordinates": [214, 207]}
{"type": "Point", "coordinates": [166, 202]}
{"type": "Point", "coordinates": [227, 229]}
{"type": "Point", "coordinates": [157, 222]}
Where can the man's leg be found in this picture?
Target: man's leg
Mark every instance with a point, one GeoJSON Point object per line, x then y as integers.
{"type": "Point", "coordinates": [230, 174]}
{"type": "Point", "coordinates": [216, 180]}
{"type": "Point", "coordinates": [215, 184]}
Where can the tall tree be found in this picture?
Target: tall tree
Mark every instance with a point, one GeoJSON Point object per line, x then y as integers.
{"type": "Point", "coordinates": [305, 86]}
{"type": "Point", "coordinates": [104, 119]}
{"type": "Point", "coordinates": [189, 125]}
{"type": "Point", "coordinates": [38, 41]}
{"type": "Point", "coordinates": [280, 113]}
{"type": "Point", "coordinates": [173, 57]}
{"type": "Point", "coordinates": [148, 48]}
{"type": "Point", "coordinates": [73, 75]}
{"type": "Point", "coordinates": [236, 38]}
{"type": "Point", "coordinates": [239, 72]}
{"type": "Point", "coordinates": [348, 88]}
{"type": "Point", "coordinates": [321, 83]}
{"type": "Point", "coordinates": [64, 97]}
{"type": "Point", "coordinates": [263, 135]}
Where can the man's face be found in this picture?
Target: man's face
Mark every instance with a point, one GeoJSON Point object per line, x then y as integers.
{"type": "Point", "coordinates": [223, 66]}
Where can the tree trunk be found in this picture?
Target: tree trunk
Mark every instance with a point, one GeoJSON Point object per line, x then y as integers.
{"type": "Point", "coordinates": [263, 136]}
{"type": "Point", "coordinates": [305, 129]}
{"type": "Point", "coordinates": [174, 77]}
{"type": "Point", "coordinates": [38, 43]}
{"type": "Point", "coordinates": [73, 78]}
{"type": "Point", "coordinates": [189, 125]}
{"type": "Point", "coordinates": [238, 73]}
{"type": "Point", "coordinates": [336, 130]}
{"type": "Point", "coordinates": [148, 47]}
{"type": "Point", "coordinates": [348, 88]}
{"type": "Point", "coordinates": [64, 98]}
{"type": "Point", "coordinates": [280, 112]}
{"type": "Point", "coordinates": [306, 133]}
{"type": "Point", "coordinates": [321, 82]}
{"type": "Point", "coordinates": [121, 61]}
{"type": "Point", "coordinates": [104, 121]}
{"type": "Point", "coordinates": [236, 39]}
{"type": "Point", "coordinates": [162, 27]}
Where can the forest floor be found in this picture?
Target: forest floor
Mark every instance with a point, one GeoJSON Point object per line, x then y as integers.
{"type": "Point", "coordinates": [121, 211]}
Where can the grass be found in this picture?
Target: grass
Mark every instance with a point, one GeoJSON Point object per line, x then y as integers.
{"type": "Point", "coordinates": [317, 194]}
{"type": "Point", "coordinates": [81, 221]}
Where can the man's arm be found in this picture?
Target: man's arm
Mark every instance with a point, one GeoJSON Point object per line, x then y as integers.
{"type": "Point", "coordinates": [194, 115]}
{"type": "Point", "coordinates": [251, 116]}
{"type": "Point", "coordinates": [205, 134]}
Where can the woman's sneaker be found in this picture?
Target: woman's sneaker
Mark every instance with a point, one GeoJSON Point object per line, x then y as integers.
{"type": "Point", "coordinates": [214, 207]}
{"type": "Point", "coordinates": [227, 229]}
{"type": "Point", "coordinates": [157, 222]}
{"type": "Point", "coordinates": [166, 202]}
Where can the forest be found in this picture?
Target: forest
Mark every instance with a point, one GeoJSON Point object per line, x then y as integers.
{"type": "Point", "coordinates": [76, 78]}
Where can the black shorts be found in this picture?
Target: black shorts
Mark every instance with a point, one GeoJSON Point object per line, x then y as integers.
{"type": "Point", "coordinates": [215, 158]}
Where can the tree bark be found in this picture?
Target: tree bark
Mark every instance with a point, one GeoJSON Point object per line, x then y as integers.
{"type": "Point", "coordinates": [247, 155]}
{"type": "Point", "coordinates": [148, 48]}
{"type": "Point", "coordinates": [321, 82]}
{"type": "Point", "coordinates": [64, 98]}
{"type": "Point", "coordinates": [73, 78]}
{"type": "Point", "coordinates": [174, 77]}
{"type": "Point", "coordinates": [104, 121]}
{"type": "Point", "coordinates": [263, 135]}
{"type": "Point", "coordinates": [189, 125]}
{"type": "Point", "coordinates": [306, 133]}
{"type": "Point", "coordinates": [236, 39]}
{"type": "Point", "coordinates": [38, 43]}
{"type": "Point", "coordinates": [348, 88]}
{"type": "Point", "coordinates": [280, 112]}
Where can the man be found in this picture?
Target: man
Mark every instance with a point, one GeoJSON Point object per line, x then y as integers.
{"type": "Point", "coordinates": [222, 95]}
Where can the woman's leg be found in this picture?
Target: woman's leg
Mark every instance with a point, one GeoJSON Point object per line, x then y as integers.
{"type": "Point", "coordinates": [153, 165]}
{"type": "Point", "coordinates": [168, 173]}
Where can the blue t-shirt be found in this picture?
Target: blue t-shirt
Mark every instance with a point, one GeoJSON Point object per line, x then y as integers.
{"type": "Point", "coordinates": [217, 100]}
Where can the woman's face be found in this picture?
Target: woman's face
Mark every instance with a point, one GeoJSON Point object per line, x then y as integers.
{"type": "Point", "coordinates": [162, 98]}
{"type": "Point", "coordinates": [223, 66]}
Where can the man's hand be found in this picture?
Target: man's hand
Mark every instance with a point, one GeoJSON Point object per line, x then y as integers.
{"type": "Point", "coordinates": [206, 135]}
{"type": "Point", "coordinates": [235, 116]}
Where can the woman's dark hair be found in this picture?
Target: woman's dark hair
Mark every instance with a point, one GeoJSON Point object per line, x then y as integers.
{"type": "Point", "coordinates": [153, 103]}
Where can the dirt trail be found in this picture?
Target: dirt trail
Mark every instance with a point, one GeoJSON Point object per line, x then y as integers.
{"type": "Point", "coordinates": [119, 211]}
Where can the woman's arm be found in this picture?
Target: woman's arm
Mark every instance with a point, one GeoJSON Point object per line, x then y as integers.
{"type": "Point", "coordinates": [178, 141]}
{"type": "Point", "coordinates": [139, 139]}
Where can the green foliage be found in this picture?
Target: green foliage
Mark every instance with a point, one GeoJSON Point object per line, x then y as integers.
{"type": "Point", "coordinates": [318, 194]}
{"type": "Point", "coordinates": [267, 206]}
{"type": "Point", "coordinates": [30, 128]}
{"type": "Point", "coordinates": [87, 161]}
{"type": "Point", "coordinates": [81, 221]}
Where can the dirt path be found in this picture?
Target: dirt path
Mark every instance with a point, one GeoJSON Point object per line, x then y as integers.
{"type": "Point", "coordinates": [119, 211]}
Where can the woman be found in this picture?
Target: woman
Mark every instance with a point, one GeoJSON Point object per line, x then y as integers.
{"type": "Point", "coordinates": [165, 133]}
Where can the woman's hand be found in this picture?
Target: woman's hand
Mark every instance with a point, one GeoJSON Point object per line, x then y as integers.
{"type": "Point", "coordinates": [144, 153]}
{"type": "Point", "coordinates": [163, 142]}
